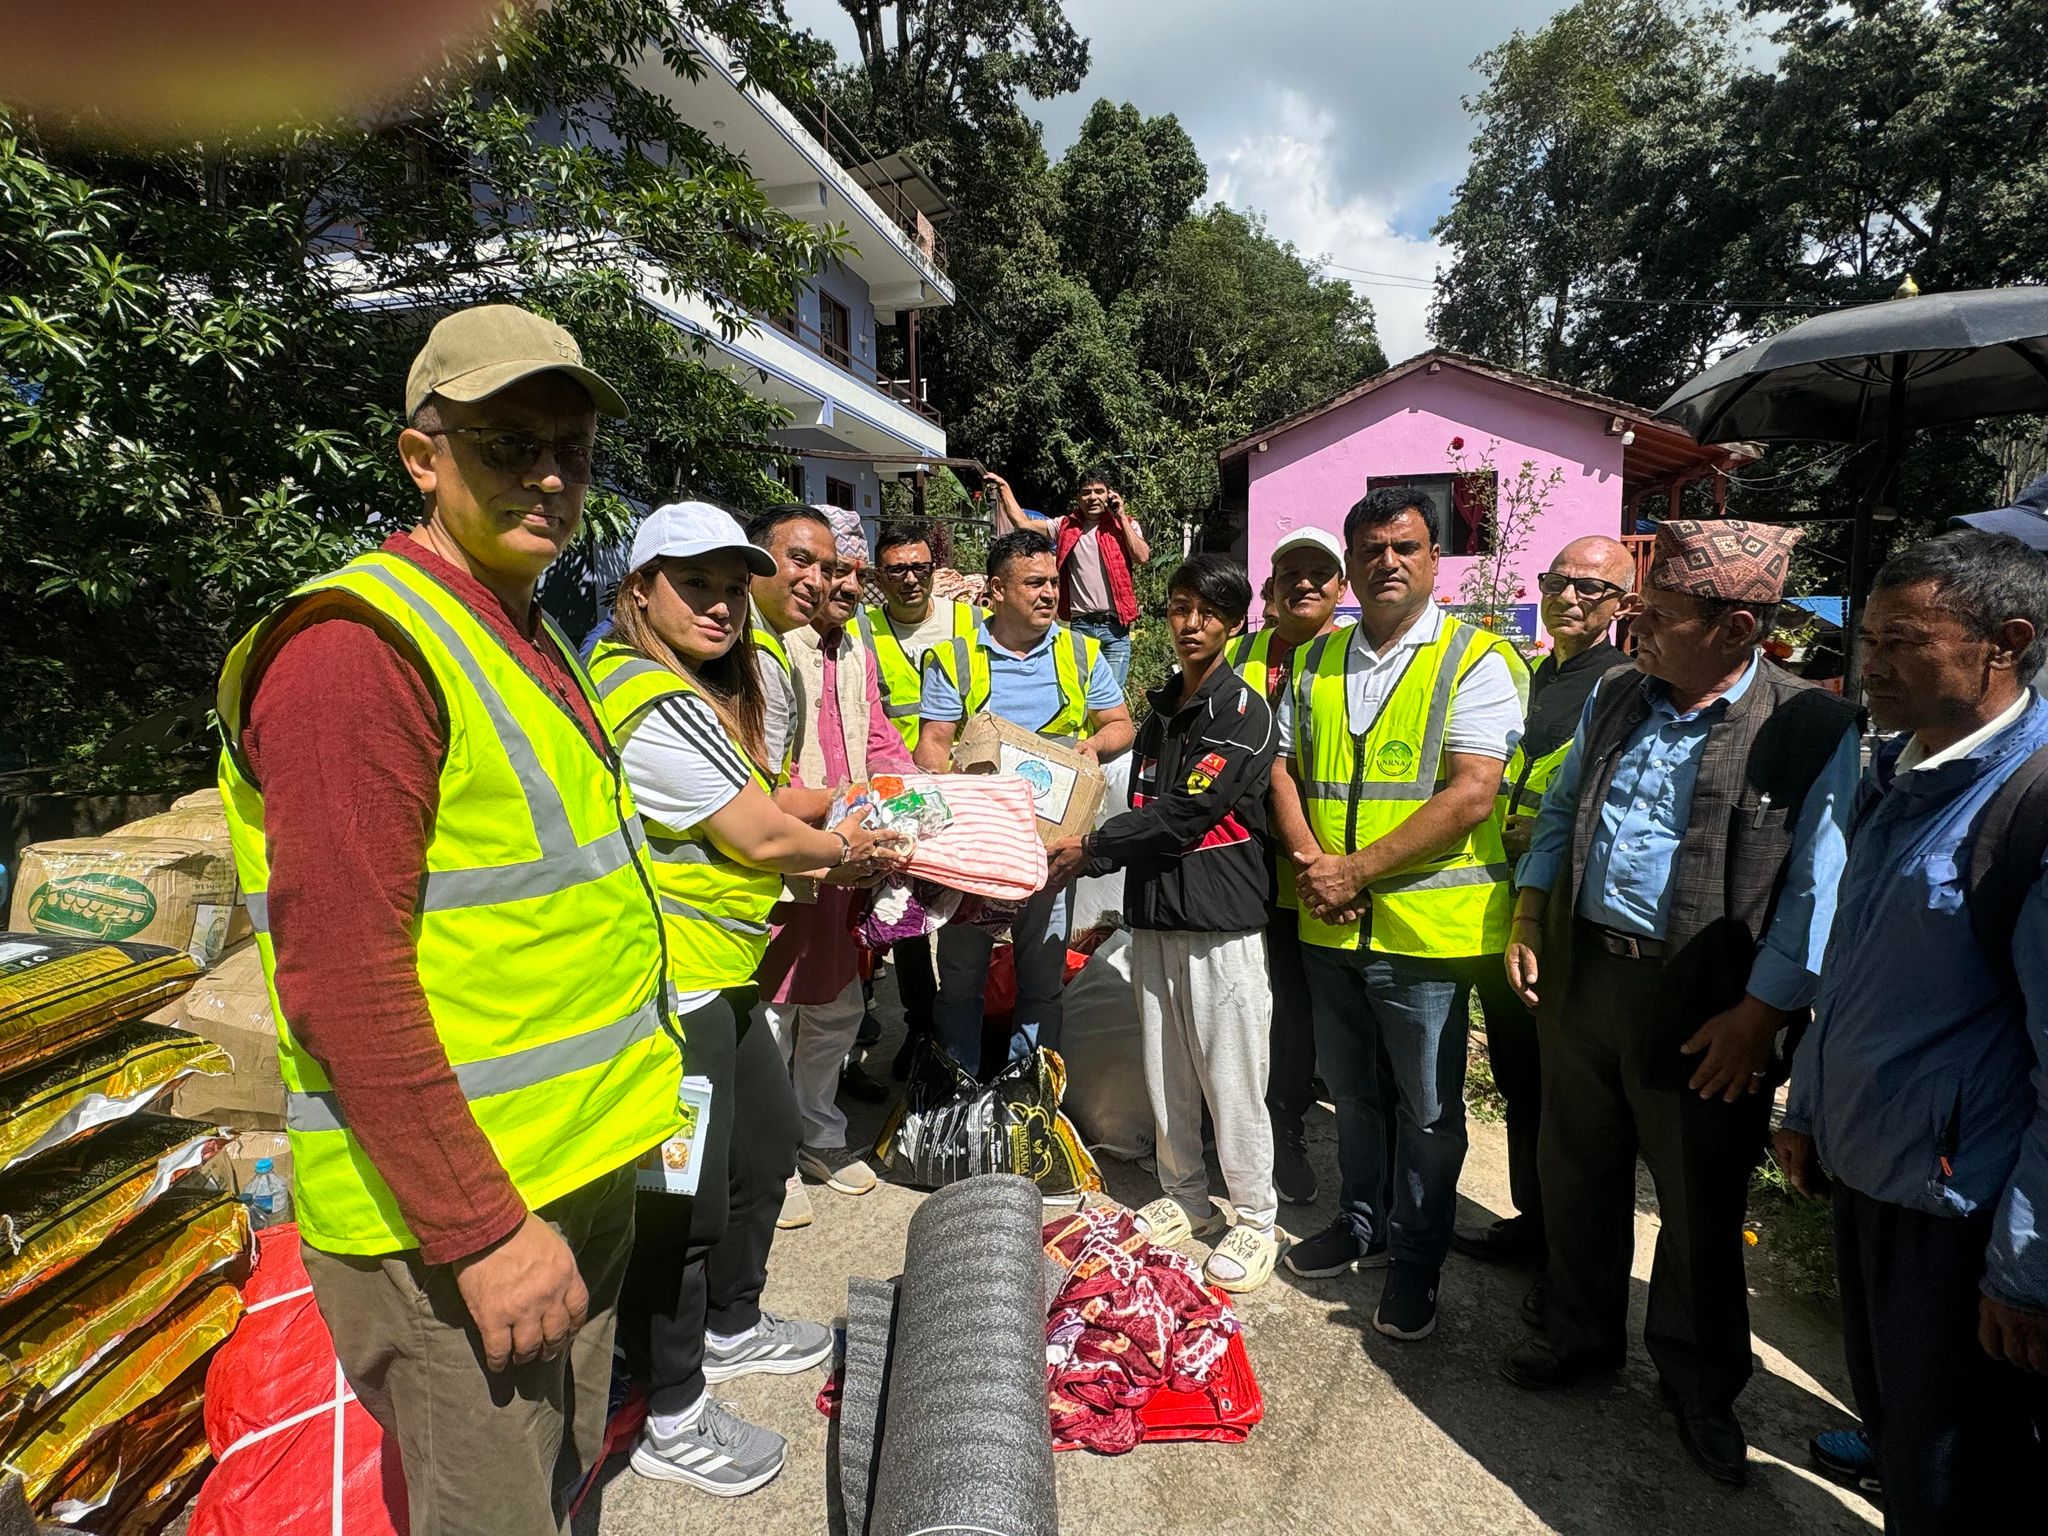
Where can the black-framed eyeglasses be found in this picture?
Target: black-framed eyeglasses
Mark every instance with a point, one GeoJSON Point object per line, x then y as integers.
{"type": "Point", "coordinates": [1554, 583]}
{"type": "Point", "coordinates": [513, 453]}
{"type": "Point", "coordinates": [913, 568]}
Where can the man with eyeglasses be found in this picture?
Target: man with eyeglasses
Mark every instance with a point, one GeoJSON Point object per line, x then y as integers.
{"type": "Point", "coordinates": [457, 919]}
{"type": "Point", "coordinates": [1585, 590]}
{"type": "Point", "coordinates": [900, 632]}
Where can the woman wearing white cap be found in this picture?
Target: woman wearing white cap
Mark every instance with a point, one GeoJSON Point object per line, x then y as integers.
{"type": "Point", "coordinates": [680, 691]}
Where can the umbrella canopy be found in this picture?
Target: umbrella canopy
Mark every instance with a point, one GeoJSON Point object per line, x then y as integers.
{"type": "Point", "coordinates": [1959, 356]}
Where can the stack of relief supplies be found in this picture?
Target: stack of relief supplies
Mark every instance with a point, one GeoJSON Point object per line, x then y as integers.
{"type": "Point", "coordinates": [117, 1254]}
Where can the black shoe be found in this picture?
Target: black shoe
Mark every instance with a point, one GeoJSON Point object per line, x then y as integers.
{"type": "Point", "coordinates": [1407, 1308]}
{"type": "Point", "coordinates": [853, 1079]}
{"type": "Point", "coordinates": [1510, 1240]}
{"type": "Point", "coordinates": [1541, 1366]}
{"type": "Point", "coordinates": [1714, 1437]}
{"type": "Point", "coordinates": [1335, 1250]}
{"type": "Point", "coordinates": [1292, 1175]}
{"type": "Point", "coordinates": [870, 1029]}
{"type": "Point", "coordinates": [1536, 1306]}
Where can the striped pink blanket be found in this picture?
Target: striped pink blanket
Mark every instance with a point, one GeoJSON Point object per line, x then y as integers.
{"type": "Point", "coordinates": [991, 846]}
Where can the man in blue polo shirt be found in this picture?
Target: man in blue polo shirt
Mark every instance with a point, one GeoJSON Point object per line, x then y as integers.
{"type": "Point", "coordinates": [1022, 667]}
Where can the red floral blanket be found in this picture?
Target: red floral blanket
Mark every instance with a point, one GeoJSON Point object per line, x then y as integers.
{"type": "Point", "coordinates": [1131, 1320]}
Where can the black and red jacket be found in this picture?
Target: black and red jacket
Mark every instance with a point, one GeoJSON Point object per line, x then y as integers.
{"type": "Point", "coordinates": [1193, 844]}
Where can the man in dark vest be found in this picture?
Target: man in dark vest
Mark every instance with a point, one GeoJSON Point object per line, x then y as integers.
{"type": "Point", "coordinates": [1673, 909]}
{"type": "Point", "coordinates": [1588, 586]}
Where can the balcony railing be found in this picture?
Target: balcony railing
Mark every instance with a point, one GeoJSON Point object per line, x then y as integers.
{"type": "Point", "coordinates": [905, 392]}
{"type": "Point", "coordinates": [843, 146]}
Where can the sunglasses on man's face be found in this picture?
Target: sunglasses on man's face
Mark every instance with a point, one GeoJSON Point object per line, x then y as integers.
{"type": "Point", "coordinates": [514, 453]}
{"type": "Point", "coordinates": [906, 571]}
{"type": "Point", "coordinates": [1554, 583]}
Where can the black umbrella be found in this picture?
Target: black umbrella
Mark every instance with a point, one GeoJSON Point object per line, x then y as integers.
{"type": "Point", "coordinates": [1870, 374]}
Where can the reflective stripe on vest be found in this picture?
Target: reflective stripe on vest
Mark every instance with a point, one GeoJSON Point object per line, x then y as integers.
{"type": "Point", "coordinates": [1357, 789]}
{"type": "Point", "coordinates": [1249, 655]}
{"type": "Point", "coordinates": [900, 680]}
{"type": "Point", "coordinates": [715, 908]}
{"type": "Point", "coordinates": [1073, 662]}
{"type": "Point", "coordinates": [538, 939]}
{"type": "Point", "coordinates": [1521, 792]}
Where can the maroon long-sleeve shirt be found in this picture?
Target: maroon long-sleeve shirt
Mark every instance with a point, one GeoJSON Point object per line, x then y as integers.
{"type": "Point", "coordinates": [346, 742]}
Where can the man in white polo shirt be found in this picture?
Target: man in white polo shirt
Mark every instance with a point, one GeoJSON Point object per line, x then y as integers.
{"type": "Point", "coordinates": [1392, 740]}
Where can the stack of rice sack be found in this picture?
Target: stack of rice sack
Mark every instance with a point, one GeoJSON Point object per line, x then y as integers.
{"type": "Point", "coordinates": [115, 1280]}
{"type": "Point", "coordinates": [170, 879]}
{"type": "Point", "coordinates": [166, 879]}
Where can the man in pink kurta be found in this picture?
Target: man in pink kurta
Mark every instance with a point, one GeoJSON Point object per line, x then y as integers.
{"type": "Point", "coordinates": [810, 977]}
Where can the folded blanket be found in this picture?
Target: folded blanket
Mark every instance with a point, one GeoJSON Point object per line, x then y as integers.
{"type": "Point", "coordinates": [991, 845]}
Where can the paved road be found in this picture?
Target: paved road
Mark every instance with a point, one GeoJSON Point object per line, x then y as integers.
{"type": "Point", "coordinates": [1362, 1434]}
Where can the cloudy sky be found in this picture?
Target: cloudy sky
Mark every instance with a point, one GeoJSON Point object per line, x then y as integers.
{"type": "Point", "coordinates": [1340, 120]}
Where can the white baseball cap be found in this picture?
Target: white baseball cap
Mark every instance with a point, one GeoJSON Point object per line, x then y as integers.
{"type": "Point", "coordinates": [1317, 538]}
{"type": "Point", "coordinates": [684, 528]}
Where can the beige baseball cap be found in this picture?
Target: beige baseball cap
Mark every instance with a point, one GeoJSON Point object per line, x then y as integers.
{"type": "Point", "coordinates": [474, 353]}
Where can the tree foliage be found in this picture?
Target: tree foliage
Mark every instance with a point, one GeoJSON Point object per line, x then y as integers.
{"type": "Point", "coordinates": [1654, 183]}
{"type": "Point", "coordinates": [202, 351]}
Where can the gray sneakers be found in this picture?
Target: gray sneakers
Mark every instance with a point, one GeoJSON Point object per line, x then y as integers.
{"type": "Point", "coordinates": [779, 1346]}
{"type": "Point", "coordinates": [721, 1453]}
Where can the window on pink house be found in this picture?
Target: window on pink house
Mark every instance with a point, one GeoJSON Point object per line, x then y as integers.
{"type": "Point", "coordinates": [1457, 506]}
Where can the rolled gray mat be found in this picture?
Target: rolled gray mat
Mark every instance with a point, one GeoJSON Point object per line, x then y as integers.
{"type": "Point", "coordinates": [967, 1440]}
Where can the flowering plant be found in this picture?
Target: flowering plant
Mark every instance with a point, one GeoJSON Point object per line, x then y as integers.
{"type": "Point", "coordinates": [1505, 513]}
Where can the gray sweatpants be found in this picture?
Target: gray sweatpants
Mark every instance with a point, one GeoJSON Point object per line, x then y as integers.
{"type": "Point", "coordinates": [1204, 1008]}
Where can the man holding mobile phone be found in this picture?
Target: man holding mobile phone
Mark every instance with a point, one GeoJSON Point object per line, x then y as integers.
{"type": "Point", "coordinates": [1099, 547]}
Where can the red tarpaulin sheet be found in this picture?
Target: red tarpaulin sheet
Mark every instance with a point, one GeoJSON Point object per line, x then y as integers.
{"type": "Point", "coordinates": [295, 1453]}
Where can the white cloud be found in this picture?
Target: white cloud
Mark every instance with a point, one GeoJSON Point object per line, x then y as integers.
{"type": "Point", "coordinates": [1287, 172]}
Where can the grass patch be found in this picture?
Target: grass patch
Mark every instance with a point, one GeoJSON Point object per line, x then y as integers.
{"type": "Point", "coordinates": [1482, 1094]}
{"type": "Point", "coordinates": [1794, 1235]}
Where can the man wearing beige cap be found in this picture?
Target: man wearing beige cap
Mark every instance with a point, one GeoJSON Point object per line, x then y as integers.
{"type": "Point", "coordinates": [457, 919]}
{"type": "Point", "coordinates": [1672, 912]}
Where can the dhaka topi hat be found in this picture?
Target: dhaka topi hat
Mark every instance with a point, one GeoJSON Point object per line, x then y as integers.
{"type": "Point", "coordinates": [475, 352]}
{"type": "Point", "coordinates": [847, 533]}
{"type": "Point", "coordinates": [1723, 558]}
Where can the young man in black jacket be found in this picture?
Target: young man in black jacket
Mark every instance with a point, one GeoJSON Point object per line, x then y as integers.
{"type": "Point", "coordinates": [1193, 849]}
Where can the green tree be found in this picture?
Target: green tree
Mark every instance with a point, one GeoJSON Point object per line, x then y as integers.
{"type": "Point", "coordinates": [201, 350]}
{"type": "Point", "coordinates": [1125, 185]}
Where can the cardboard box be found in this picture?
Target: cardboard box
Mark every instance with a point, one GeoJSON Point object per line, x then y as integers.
{"type": "Point", "coordinates": [231, 1007]}
{"type": "Point", "coordinates": [197, 817]}
{"type": "Point", "coordinates": [247, 1146]}
{"type": "Point", "coordinates": [1065, 786]}
{"type": "Point", "coordinates": [173, 891]}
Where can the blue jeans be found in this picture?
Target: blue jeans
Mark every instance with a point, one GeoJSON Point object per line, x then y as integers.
{"type": "Point", "coordinates": [1039, 939]}
{"type": "Point", "coordinates": [1390, 1039]}
{"type": "Point", "coordinates": [1116, 646]}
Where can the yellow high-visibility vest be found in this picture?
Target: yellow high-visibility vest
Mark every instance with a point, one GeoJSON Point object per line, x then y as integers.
{"type": "Point", "coordinates": [1074, 655]}
{"type": "Point", "coordinates": [538, 936]}
{"type": "Point", "coordinates": [1251, 656]}
{"type": "Point", "coordinates": [768, 640]}
{"type": "Point", "coordinates": [714, 907]}
{"type": "Point", "coordinates": [1357, 789]}
{"type": "Point", "coordinates": [898, 674]}
{"type": "Point", "coordinates": [1522, 782]}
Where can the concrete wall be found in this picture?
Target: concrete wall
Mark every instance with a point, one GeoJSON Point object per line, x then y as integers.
{"type": "Point", "coordinates": [1310, 476]}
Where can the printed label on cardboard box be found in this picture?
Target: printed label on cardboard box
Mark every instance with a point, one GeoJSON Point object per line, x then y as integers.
{"type": "Point", "coordinates": [1052, 785]}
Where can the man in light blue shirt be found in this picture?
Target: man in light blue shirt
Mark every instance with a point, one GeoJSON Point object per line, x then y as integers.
{"type": "Point", "coordinates": [1672, 912]}
{"type": "Point", "coordinates": [1022, 667]}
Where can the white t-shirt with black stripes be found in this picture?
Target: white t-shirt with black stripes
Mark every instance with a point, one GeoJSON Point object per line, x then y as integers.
{"type": "Point", "coordinates": [683, 769]}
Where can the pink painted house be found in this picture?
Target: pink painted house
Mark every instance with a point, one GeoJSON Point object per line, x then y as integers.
{"type": "Point", "coordinates": [1429, 423]}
